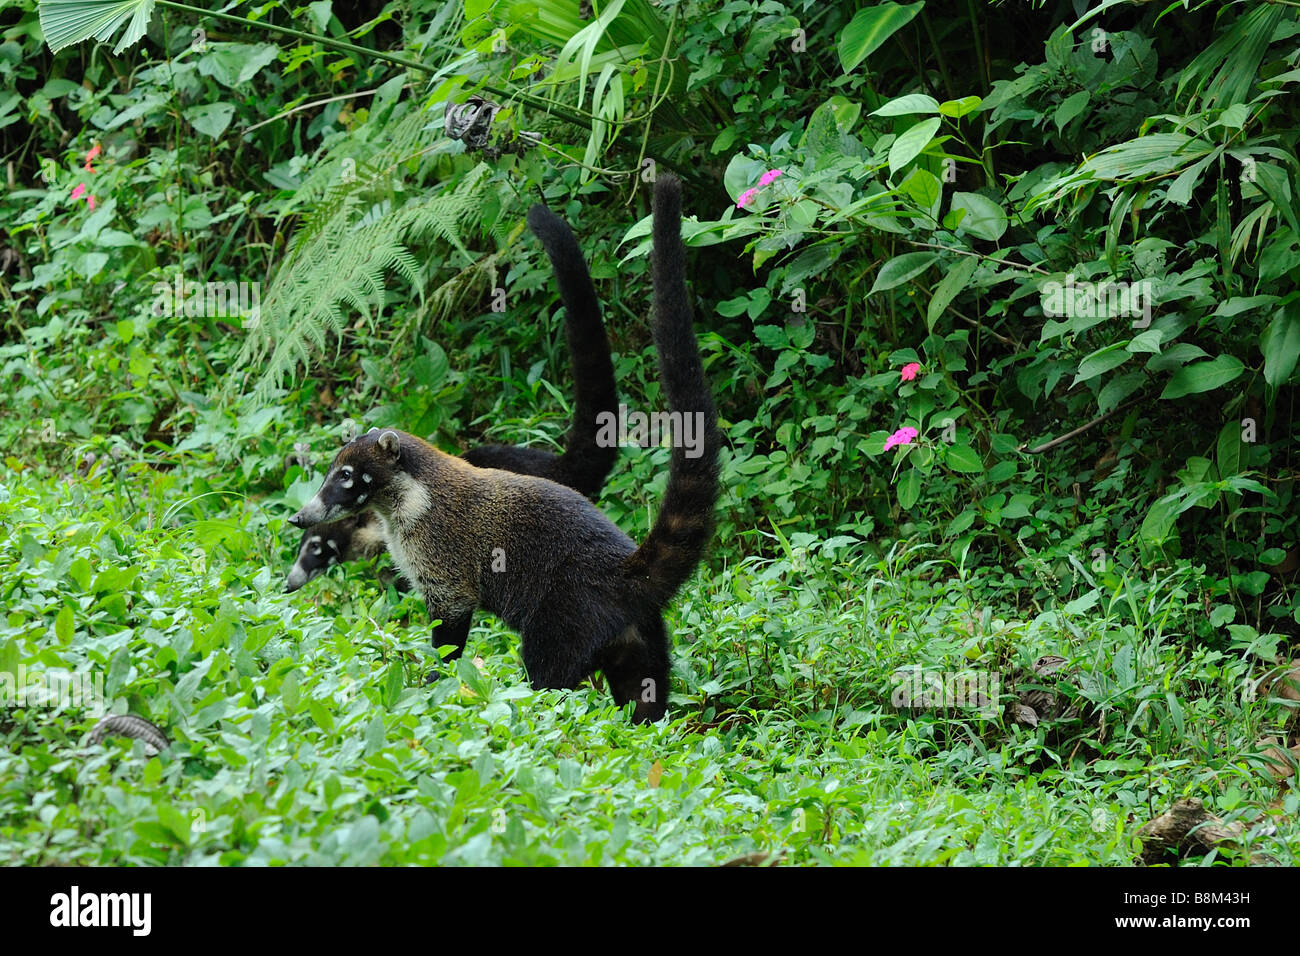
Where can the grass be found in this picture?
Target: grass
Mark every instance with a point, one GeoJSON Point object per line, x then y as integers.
{"type": "Point", "coordinates": [302, 731]}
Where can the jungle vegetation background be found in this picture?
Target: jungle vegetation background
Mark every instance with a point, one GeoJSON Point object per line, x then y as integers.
{"type": "Point", "coordinates": [1104, 478]}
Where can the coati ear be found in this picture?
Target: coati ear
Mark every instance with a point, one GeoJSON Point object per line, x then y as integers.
{"type": "Point", "coordinates": [390, 445]}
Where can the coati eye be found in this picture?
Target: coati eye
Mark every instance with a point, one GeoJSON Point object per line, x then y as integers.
{"type": "Point", "coordinates": [346, 475]}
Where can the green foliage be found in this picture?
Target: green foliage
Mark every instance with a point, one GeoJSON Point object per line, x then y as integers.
{"type": "Point", "coordinates": [1083, 241]}
{"type": "Point", "coordinates": [301, 731]}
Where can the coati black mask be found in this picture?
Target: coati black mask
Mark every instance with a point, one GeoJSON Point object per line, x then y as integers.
{"type": "Point", "coordinates": [316, 554]}
{"type": "Point", "coordinates": [362, 467]}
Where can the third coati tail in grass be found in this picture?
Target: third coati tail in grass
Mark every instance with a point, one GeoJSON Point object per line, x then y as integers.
{"type": "Point", "coordinates": [585, 462]}
{"type": "Point", "coordinates": [540, 556]}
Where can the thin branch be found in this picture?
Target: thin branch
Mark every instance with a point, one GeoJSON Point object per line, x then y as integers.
{"type": "Point", "coordinates": [1071, 434]}
{"type": "Point", "coordinates": [310, 105]}
{"type": "Point", "coordinates": [977, 255]}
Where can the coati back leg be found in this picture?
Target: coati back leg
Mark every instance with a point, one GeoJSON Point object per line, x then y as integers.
{"type": "Point", "coordinates": [636, 665]}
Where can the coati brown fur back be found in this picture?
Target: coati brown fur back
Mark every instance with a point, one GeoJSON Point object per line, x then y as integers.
{"type": "Point", "coordinates": [585, 462]}
{"type": "Point", "coordinates": [540, 556]}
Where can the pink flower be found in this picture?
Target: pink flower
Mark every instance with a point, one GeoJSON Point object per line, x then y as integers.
{"type": "Point", "coordinates": [904, 436]}
{"type": "Point", "coordinates": [910, 370]}
{"type": "Point", "coordinates": [90, 157]}
{"type": "Point", "coordinates": [79, 192]}
{"type": "Point", "coordinates": [748, 195]}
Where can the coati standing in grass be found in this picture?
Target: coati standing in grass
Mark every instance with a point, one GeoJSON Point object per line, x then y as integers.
{"type": "Point", "coordinates": [541, 557]}
{"type": "Point", "coordinates": [584, 464]}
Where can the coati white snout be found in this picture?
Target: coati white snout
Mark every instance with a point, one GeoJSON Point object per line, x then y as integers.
{"type": "Point", "coordinates": [585, 462]}
{"type": "Point", "coordinates": [539, 555]}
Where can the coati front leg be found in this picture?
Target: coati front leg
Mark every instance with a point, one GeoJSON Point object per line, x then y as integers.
{"type": "Point", "coordinates": [453, 630]}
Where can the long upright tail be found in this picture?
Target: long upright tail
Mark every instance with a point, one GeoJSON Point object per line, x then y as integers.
{"type": "Point", "coordinates": [584, 464]}
{"type": "Point", "coordinates": [685, 524]}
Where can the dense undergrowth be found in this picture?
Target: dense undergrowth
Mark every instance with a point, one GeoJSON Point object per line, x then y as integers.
{"type": "Point", "coordinates": [302, 730]}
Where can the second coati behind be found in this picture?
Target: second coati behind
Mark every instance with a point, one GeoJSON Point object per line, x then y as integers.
{"type": "Point", "coordinates": [583, 465]}
{"type": "Point", "coordinates": [540, 556]}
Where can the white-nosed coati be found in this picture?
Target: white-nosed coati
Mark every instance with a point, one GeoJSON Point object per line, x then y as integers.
{"type": "Point", "coordinates": [584, 463]}
{"type": "Point", "coordinates": [540, 556]}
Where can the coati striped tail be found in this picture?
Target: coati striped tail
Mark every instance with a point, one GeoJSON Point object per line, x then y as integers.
{"type": "Point", "coordinates": [584, 464]}
{"type": "Point", "coordinates": [686, 520]}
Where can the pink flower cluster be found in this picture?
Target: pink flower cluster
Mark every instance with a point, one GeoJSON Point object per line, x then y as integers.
{"type": "Point", "coordinates": [80, 189]}
{"type": "Point", "coordinates": [748, 195]}
{"type": "Point", "coordinates": [910, 370]}
{"type": "Point", "coordinates": [904, 436]}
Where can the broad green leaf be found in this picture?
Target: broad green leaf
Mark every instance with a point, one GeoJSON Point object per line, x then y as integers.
{"type": "Point", "coordinates": [210, 119]}
{"type": "Point", "coordinates": [1102, 360]}
{"type": "Point", "coordinates": [1119, 388]}
{"type": "Point", "coordinates": [393, 682]}
{"type": "Point", "coordinates": [911, 143]}
{"type": "Point", "coordinates": [9, 658]}
{"type": "Point", "coordinates": [1203, 376]}
{"type": "Point", "coordinates": [1222, 614]}
{"type": "Point", "coordinates": [1071, 107]}
{"type": "Point", "coordinates": [1280, 344]}
{"type": "Point", "coordinates": [922, 187]}
{"type": "Point", "coordinates": [1156, 154]}
{"type": "Point", "coordinates": [908, 105]}
{"type": "Point", "coordinates": [963, 458]}
{"type": "Point", "coordinates": [962, 107]}
{"type": "Point", "coordinates": [1176, 356]}
{"type": "Point", "coordinates": [901, 269]}
{"type": "Point", "coordinates": [63, 625]}
{"type": "Point", "coordinates": [1148, 341]}
{"type": "Point", "coordinates": [1180, 190]}
{"type": "Point", "coordinates": [870, 28]}
{"type": "Point", "coordinates": [1002, 471]}
{"type": "Point", "coordinates": [1274, 183]}
{"type": "Point", "coordinates": [1230, 449]}
{"type": "Point", "coordinates": [953, 282]}
{"type": "Point", "coordinates": [909, 488]}
{"type": "Point", "coordinates": [79, 571]}
{"type": "Point", "coordinates": [289, 693]}
{"type": "Point", "coordinates": [984, 218]}
{"type": "Point", "coordinates": [1280, 256]}
{"type": "Point", "coordinates": [1238, 304]}
{"type": "Point", "coordinates": [65, 22]}
{"type": "Point", "coordinates": [320, 715]}
{"type": "Point", "coordinates": [234, 64]}
{"type": "Point", "coordinates": [1159, 527]}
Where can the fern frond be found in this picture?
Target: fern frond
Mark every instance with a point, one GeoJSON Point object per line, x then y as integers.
{"type": "Point", "coordinates": [341, 261]}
